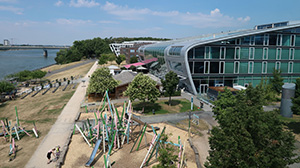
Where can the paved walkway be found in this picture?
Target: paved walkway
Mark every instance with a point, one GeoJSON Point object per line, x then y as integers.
{"type": "Point", "coordinates": [60, 131]}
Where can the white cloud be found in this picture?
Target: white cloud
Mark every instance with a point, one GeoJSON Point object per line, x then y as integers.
{"type": "Point", "coordinates": [72, 21]}
{"type": "Point", "coordinates": [108, 22]}
{"type": "Point", "coordinates": [200, 20]}
{"type": "Point", "coordinates": [9, 1]}
{"type": "Point", "coordinates": [59, 3]}
{"type": "Point", "coordinates": [84, 3]}
{"type": "Point", "coordinates": [246, 19]}
{"type": "Point", "coordinates": [124, 12]}
{"type": "Point", "coordinates": [15, 10]}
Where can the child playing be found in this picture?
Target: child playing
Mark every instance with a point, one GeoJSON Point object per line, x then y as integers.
{"type": "Point", "coordinates": [49, 155]}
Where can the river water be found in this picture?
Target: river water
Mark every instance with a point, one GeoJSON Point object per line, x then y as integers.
{"type": "Point", "coordinates": [12, 61]}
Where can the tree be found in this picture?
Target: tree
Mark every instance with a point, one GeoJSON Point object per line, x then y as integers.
{"type": "Point", "coordinates": [120, 59]}
{"type": "Point", "coordinates": [6, 87]}
{"type": "Point", "coordinates": [296, 100]}
{"type": "Point", "coordinates": [247, 136]}
{"type": "Point", "coordinates": [276, 81]}
{"type": "Point", "coordinates": [101, 80]}
{"type": "Point", "coordinates": [133, 59]}
{"type": "Point", "coordinates": [142, 87]}
{"type": "Point", "coordinates": [170, 83]}
{"type": "Point", "coordinates": [167, 154]}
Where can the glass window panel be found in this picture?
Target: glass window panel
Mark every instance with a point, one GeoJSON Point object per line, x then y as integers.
{"type": "Point", "coordinates": [272, 54]}
{"type": "Point", "coordinates": [284, 67]}
{"type": "Point", "coordinates": [237, 53]}
{"type": "Point", "coordinates": [296, 67]}
{"type": "Point", "coordinates": [290, 68]}
{"type": "Point", "coordinates": [230, 53]}
{"type": "Point", "coordinates": [222, 52]}
{"type": "Point", "coordinates": [297, 41]}
{"type": "Point", "coordinates": [279, 40]}
{"type": "Point", "coordinates": [214, 67]}
{"type": "Point", "coordinates": [207, 52]}
{"type": "Point", "coordinates": [222, 67]}
{"type": "Point", "coordinates": [252, 40]}
{"type": "Point", "coordinates": [199, 52]}
{"type": "Point", "coordinates": [215, 52]}
{"type": "Point", "coordinates": [271, 66]}
{"type": "Point", "coordinates": [273, 39]}
{"type": "Point", "coordinates": [191, 53]}
{"type": "Point", "coordinates": [206, 67]}
{"type": "Point", "coordinates": [278, 53]}
{"type": "Point", "coordinates": [238, 41]}
{"type": "Point", "coordinates": [199, 67]}
{"type": "Point", "coordinates": [286, 40]}
{"type": "Point", "coordinates": [243, 68]}
{"type": "Point", "coordinates": [265, 53]}
{"type": "Point", "coordinates": [257, 67]}
{"type": "Point", "coordinates": [251, 52]}
{"type": "Point", "coordinates": [292, 40]}
{"type": "Point", "coordinates": [191, 67]}
{"type": "Point", "coordinates": [291, 54]}
{"type": "Point", "coordinates": [236, 67]}
{"type": "Point", "coordinates": [277, 65]}
{"type": "Point", "coordinates": [246, 40]}
{"type": "Point", "coordinates": [266, 39]}
{"type": "Point", "coordinates": [285, 54]}
{"type": "Point", "coordinates": [264, 67]}
{"type": "Point", "coordinates": [250, 67]}
{"type": "Point", "coordinates": [244, 53]}
{"type": "Point", "coordinates": [297, 54]}
{"type": "Point", "coordinates": [229, 67]}
{"type": "Point", "coordinates": [259, 39]}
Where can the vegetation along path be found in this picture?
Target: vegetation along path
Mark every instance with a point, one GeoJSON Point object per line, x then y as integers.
{"type": "Point", "coordinates": [60, 131]}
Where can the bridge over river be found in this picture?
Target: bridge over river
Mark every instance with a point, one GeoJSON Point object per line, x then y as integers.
{"type": "Point", "coordinates": [29, 47]}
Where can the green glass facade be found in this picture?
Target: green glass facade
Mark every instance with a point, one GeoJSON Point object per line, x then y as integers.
{"type": "Point", "coordinates": [234, 59]}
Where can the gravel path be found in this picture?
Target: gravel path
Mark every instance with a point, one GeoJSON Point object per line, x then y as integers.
{"type": "Point", "coordinates": [60, 131]}
{"type": "Point", "coordinates": [70, 67]}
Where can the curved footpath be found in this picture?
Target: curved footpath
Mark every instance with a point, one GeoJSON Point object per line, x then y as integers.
{"type": "Point", "coordinates": [60, 131]}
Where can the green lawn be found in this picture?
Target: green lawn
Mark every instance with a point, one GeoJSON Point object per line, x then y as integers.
{"type": "Point", "coordinates": [162, 106]}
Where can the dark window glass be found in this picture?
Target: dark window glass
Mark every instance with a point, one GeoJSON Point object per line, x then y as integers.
{"type": "Point", "coordinates": [199, 67]}
{"type": "Point", "coordinates": [199, 52]}
{"type": "Point", "coordinates": [191, 66]}
{"type": "Point", "coordinates": [190, 53]}
{"type": "Point", "coordinates": [272, 39]}
{"type": "Point", "coordinates": [215, 52]}
{"type": "Point", "coordinates": [259, 39]}
{"type": "Point", "coordinates": [214, 67]}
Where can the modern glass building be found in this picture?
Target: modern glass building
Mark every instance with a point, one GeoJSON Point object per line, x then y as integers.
{"type": "Point", "coordinates": [232, 58]}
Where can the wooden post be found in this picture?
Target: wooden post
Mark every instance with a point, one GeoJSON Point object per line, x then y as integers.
{"type": "Point", "coordinates": [152, 144]}
{"type": "Point", "coordinates": [17, 117]}
{"type": "Point", "coordinates": [83, 135]}
{"type": "Point", "coordinates": [182, 156]}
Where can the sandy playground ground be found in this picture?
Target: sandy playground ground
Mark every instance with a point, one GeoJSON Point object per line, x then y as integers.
{"type": "Point", "coordinates": [79, 152]}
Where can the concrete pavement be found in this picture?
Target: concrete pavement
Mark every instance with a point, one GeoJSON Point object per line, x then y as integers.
{"type": "Point", "coordinates": [60, 131]}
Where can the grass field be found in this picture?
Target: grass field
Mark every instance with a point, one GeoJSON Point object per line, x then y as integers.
{"type": "Point", "coordinates": [41, 109]}
{"type": "Point", "coordinates": [162, 106]}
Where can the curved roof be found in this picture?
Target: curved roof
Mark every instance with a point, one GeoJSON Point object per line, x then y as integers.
{"type": "Point", "coordinates": [204, 39]}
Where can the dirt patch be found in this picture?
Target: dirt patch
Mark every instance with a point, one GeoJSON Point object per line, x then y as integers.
{"type": "Point", "coordinates": [79, 152]}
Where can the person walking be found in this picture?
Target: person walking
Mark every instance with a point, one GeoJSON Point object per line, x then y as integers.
{"type": "Point", "coordinates": [49, 155]}
{"type": "Point", "coordinates": [57, 152]}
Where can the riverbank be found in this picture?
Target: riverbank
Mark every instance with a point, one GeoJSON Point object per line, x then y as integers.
{"type": "Point", "coordinates": [41, 109]}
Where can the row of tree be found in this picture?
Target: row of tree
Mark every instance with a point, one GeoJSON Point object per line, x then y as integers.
{"type": "Point", "coordinates": [142, 87]}
{"type": "Point", "coordinates": [27, 75]}
{"type": "Point", "coordinates": [93, 48]}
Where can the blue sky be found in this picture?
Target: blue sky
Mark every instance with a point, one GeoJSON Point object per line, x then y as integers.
{"type": "Point", "coordinates": [61, 22]}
